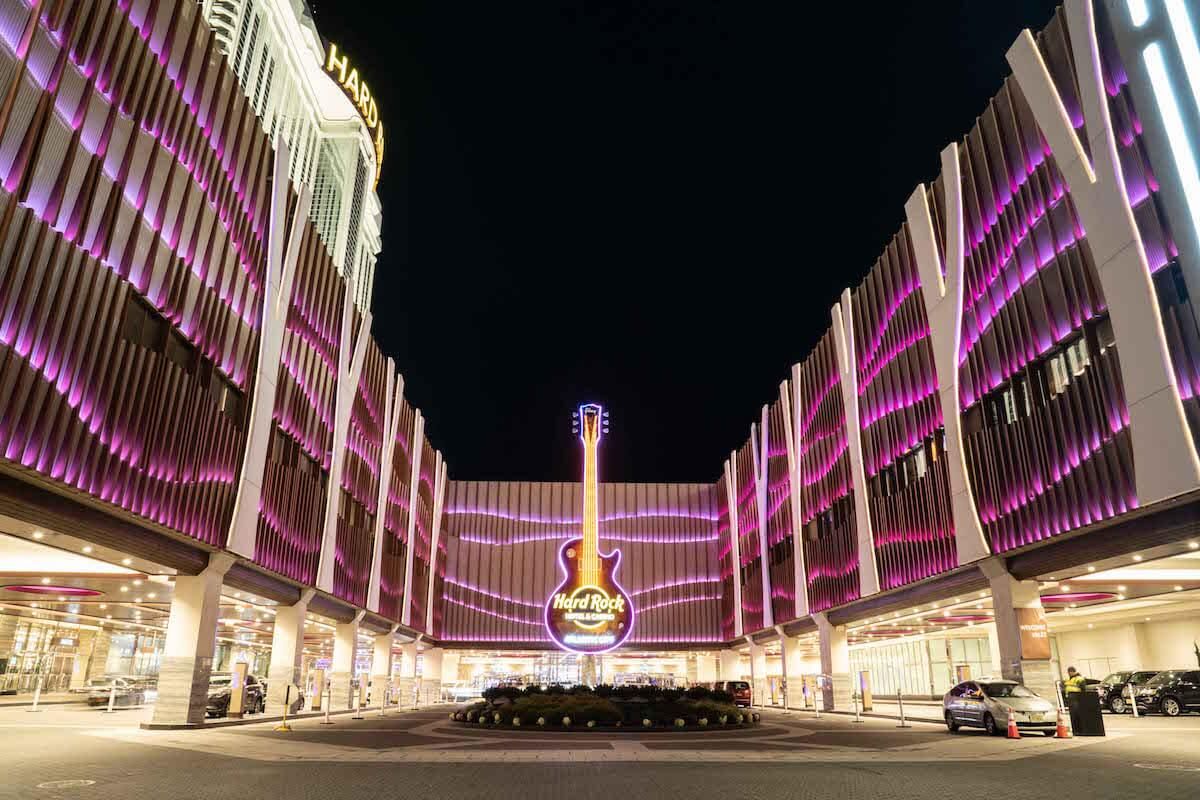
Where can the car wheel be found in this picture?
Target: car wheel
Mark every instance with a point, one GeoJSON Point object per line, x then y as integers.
{"type": "Point", "coordinates": [1170, 707]}
{"type": "Point", "coordinates": [989, 725]}
{"type": "Point", "coordinates": [951, 724]}
{"type": "Point", "coordinates": [1117, 705]}
{"type": "Point", "coordinates": [1049, 734]}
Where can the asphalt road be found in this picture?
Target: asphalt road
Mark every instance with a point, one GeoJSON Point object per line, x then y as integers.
{"type": "Point", "coordinates": [81, 746]}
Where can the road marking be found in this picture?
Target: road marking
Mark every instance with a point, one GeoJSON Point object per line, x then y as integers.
{"type": "Point", "coordinates": [71, 784]}
{"type": "Point", "coordinates": [1176, 767]}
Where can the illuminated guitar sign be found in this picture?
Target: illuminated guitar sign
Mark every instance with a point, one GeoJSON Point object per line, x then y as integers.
{"type": "Point", "coordinates": [589, 612]}
{"type": "Point", "coordinates": [346, 74]}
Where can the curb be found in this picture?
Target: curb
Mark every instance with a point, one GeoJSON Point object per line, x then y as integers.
{"type": "Point", "coordinates": [230, 723]}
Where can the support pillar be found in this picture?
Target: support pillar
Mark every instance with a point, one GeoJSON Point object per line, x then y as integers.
{"type": "Point", "coordinates": [345, 647]}
{"type": "Point", "coordinates": [706, 668]}
{"type": "Point", "coordinates": [1021, 633]}
{"type": "Point", "coordinates": [758, 674]}
{"type": "Point", "coordinates": [381, 668]}
{"type": "Point", "coordinates": [431, 674]}
{"type": "Point", "coordinates": [287, 651]}
{"type": "Point", "coordinates": [835, 664]}
{"type": "Point", "coordinates": [729, 668]}
{"type": "Point", "coordinates": [408, 672]}
{"type": "Point", "coordinates": [188, 649]}
{"type": "Point", "coordinates": [794, 670]}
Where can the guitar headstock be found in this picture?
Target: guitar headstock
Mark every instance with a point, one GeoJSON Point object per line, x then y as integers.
{"type": "Point", "coordinates": [590, 421]}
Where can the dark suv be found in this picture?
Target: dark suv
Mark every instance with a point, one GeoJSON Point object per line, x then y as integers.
{"type": "Point", "coordinates": [1172, 692]}
{"type": "Point", "coordinates": [220, 692]}
{"type": "Point", "coordinates": [1114, 689]}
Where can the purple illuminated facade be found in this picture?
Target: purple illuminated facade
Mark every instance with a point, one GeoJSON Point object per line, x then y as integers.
{"type": "Point", "coordinates": [179, 355]}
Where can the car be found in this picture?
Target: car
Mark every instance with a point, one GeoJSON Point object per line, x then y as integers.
{"type": "Point", "coordinates": [129, 691]}
{"type": "Point", "coordinates": [987, 704]}
{"type": "Point", "coordinates": [220, 692]}
{"type": "Point", "coordinates": [1115, 690]}
{"type": "Point", "coordinates": [739, 689]}
{"type": "Point", "coordinates": [1171, 692]}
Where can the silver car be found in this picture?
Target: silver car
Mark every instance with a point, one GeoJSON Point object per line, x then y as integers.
{"type": "Point", "coordinates": [986, 704]}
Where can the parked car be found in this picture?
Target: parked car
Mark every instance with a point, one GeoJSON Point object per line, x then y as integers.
{"type": "Point", "coordinates": [988, 704]}
{"type": "Point", "coordinates": [220, 692]}
{"type": "Point", "coordinates": [130, 691]}
{"type": "Point", "coordinates": [1114, 690]}
{"type": "Point", "coordinates": [739, 689]}
{"type": "Point", "coordinates": [1171, 692]}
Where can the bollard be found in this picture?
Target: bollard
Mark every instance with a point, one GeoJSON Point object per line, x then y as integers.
{"type": "Point", "coordinates": [857, 716]}
{"type": "Point", "coordinates": [112, 697]}
{"type": "Point", "coordinates": [1132, 700]}
{"type": "Point", "coordinates": [383, 702]}
{"type": "Point", "coordinates": [37, 695]}
{"type": "Point", "coordinates": [328, 703]}
{"type": "Point", "coordinates": [817, 701]}
{"type": "Point", "coordinates": [287, 701]}
{"type": "Point", "coordinates": [900, 700]}
{"type": "Point", "coordinates": [357, 706]}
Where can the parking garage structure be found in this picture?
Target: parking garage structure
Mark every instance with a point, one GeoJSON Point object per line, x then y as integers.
{"type": "Point", "coordinates": [207, 460]}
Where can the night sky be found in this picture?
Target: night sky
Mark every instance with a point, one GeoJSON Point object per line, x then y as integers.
{"type": "Point", "coordinates": [650, 205]}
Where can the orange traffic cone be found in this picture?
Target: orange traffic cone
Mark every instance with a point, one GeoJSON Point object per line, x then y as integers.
{"type": "Point", "coordinates": [1062, 732]}
{"type": "Point", "coordinates": [1013, 733]}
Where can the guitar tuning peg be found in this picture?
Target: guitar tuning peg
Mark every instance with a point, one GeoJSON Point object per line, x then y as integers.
{"type": "Point", "coordinates": [606, 415]}
{"type": "Point", "coordinates": [575, 414]}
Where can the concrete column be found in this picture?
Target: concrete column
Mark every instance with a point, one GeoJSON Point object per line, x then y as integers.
{"type": "Point", "coordinates": [381, 668]}
{"type": "Point", "coordinates": [188, 649]}
{"type": "Point", "coordinates": [587, 670]}
{"type": "Point", "coordinates": [85, 647]}
{"type": "Point", "coordinates": [835, 664]}
{"type": "Point", "coordinates": [794, 670]}
{"type": "Point", "coordinates": [345, 646]}
{"type": "Point", "coordinates": [758, 673]}
{"type": "Point", "coordinates": [98, 665]}
{"type": "Point", "coordinates": [1010, 600]}
{"type": "Point", "coordinates": [452, 658]}
{"type": "Point", "coordinates": [408, 672]}
{"type": "Point", "coordinates": [706, 668]}
{"type": "Point", "coordinates": [730, 666]}
{"type": "Point", "coordinates": [431, 674]}
{"type": "Point", "coordinates": [287, 651]}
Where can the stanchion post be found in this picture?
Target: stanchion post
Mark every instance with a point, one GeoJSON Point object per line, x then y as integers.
{"type": "Point", "coordinates": [383, 702]}
{"type": "Point", "coordinates": [818, 697]}
{"type": "Point", "coordinates": [327, 704]}
{"type": "Point", "coordinates": [900, 700]}
{"type": "Point", "coordinates": [857, 716]}
{"type": "Point", "coordinates": [37, 695]}
{"type": "Point", "coordinates": [1132, 700]}
{"type": "Point", "coordinates": [287, 701]}
{"type": "Point", "coordinates": [112, 697]}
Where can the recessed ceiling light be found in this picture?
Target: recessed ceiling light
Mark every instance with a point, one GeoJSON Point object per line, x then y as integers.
{"type": "Point", "coordinates": [137, 599]}
{"type": "Point", "coordinates": [1120, 597]}
{"type": "Point", "coordinates": [1090, 626]}
{"type": "Point", "coordinates": [152, 595]}
{"type": "Point", "coordinates": [1091, 569]}
{"type": "Point", "coordinates": [38, 534]}
{"type": "Point", "coordinates": [1137, 558]}
{"type": "Point", "coordinates": [1179, 588]}
{"type": "Point", "coordinates": [87, 548]}
{"type": "Point", "coordinates": [1120, 588]}
{"type": "Point", "coordinates": [127, 561]}
{"type": "Point", "coordinates": [137, 581]}
{"type": "Point", "coordinates": [34, 605]}
{"type": "Point", "coordinates": [1066, 588]}
{"type": "Point", "coordinates": [124, 588]}
{"type": "Point", "coordinates": [1194, 545]}
{"type": "Point", "coordinates": [45, 580]}
{"type": "Point", "coordinates": [104, 605]}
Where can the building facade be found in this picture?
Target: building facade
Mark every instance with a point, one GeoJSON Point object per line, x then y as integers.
{"type": "Point", "coordinates": [993, 446]}
{"type": "Point", "coordinates": [286, 70]}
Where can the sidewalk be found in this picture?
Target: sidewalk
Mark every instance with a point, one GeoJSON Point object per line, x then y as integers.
{"type": "Point", "coordinates": [47, 699]}
{"type": "Point", "coordinates": [914, 711]}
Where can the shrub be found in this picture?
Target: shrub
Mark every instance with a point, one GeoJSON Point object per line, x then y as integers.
{"type": "Point", "coordinates": [698, 693]}
{"type": "Point", "coordinates": [580, 688]}
{"type": "Point", "coordinates": [721, 696]}
{"type": "Point", "coordinates": [541, 722]}
{"type": "Point", "coordinates": [566, 722]}
{"type": "Point", "coordinates": [496, 692]}
{"type": "Point", "coordinates": [603, 690]}
{"type": "Point", "coordinates": [680, 722]}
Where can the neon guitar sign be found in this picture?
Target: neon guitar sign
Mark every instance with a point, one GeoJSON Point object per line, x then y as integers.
{"type": "Point", "coordinates": [589, 612]}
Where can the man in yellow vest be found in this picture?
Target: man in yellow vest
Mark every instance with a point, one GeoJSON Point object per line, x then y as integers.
{"type": "Point", "coordinates": [1075, 683]}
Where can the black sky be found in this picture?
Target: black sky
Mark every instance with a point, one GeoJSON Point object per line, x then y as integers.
{"type": "Point", "coordinates": [651, 205]}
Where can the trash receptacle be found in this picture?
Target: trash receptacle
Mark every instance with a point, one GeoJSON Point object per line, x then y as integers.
{"type": "Point", "coordinates": [1086, 719]}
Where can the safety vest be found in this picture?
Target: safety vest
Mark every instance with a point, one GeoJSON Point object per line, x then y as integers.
{"type": "Point", "coordinates": [1076, 684]}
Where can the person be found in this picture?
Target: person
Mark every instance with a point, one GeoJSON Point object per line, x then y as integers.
{"type": "Point", "coordinates": [1075, 683]}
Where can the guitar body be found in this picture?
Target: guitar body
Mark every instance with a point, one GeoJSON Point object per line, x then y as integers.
{"type": "Point", "coordinates": [589, 615]}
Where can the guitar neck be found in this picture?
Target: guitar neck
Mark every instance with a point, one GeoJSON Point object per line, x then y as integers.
{"type": "Point", "coordinates": [590, 557]}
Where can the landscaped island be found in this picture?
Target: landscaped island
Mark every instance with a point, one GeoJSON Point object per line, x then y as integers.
{"type": "Point", "coordinates": [625, 707]}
